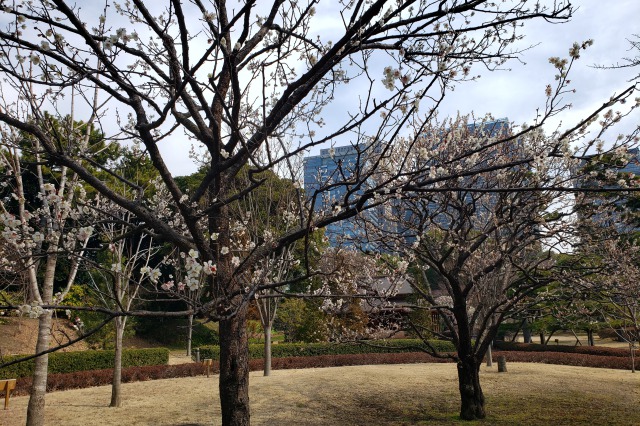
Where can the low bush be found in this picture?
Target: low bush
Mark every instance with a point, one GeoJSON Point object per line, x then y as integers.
{"type": "Point", "coordinates": [283, 350]}
{"type": "Point", "coordinates": [68, 362]}
{"type": "Point", "coordinates": [85, 379]}
{"type": "Point", "coordinates": [579, 360]}
{"type": "Point", "coordinates": [586, 350]}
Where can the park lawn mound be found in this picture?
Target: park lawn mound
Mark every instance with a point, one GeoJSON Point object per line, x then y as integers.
{"type": "Point", "coordinates": [85, 379]}
{"type": "Point", "coordinates": [529, 394]}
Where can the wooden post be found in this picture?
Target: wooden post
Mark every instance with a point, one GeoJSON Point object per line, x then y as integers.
{"type": "Point", "coordinates": [208, 363]}
{"type": "Point", "coordinates": [7, 385]}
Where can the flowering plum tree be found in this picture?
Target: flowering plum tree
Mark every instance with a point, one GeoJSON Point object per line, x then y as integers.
{"type": "Point", "coordinates": [480, 243]}
{"type": "Point", "coordinates": [247, 83]}
{"type": "Point", "coordinates": [609, 245]}
{"type": "Point", "coordinates": [42, 228]}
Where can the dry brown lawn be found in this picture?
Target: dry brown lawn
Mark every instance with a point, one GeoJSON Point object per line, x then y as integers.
{"type": "Point", "coordinates": [529, 394]}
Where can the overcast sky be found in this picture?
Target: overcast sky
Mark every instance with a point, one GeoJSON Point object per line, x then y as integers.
{"type": "Point", "coordinates": [515, 94]}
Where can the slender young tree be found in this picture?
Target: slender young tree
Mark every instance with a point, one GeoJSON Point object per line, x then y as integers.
{"type": "Point", "coordinates": [125, 257]}
{"type": "Point", "coordinates": [43, 228]}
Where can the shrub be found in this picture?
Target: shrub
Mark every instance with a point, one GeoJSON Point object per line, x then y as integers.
{"type": "Point", "coordinates": [85, 379]}
{"type": "Point", "coordinates": [579, 360]}
{"type": "Point", "coordinates": [301, 321]}
{"type": "Point", "coordinates": [67, 362]}
{"type": "Point", "coordinates": [587, 350]}
{"type": "Point", "coordinates": [283, 350]}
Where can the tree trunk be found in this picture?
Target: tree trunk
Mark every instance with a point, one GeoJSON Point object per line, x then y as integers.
{"type": "Point", "coordinates": [590, 340]}
{"type": "Point", "coordinates": [267, 349]}
{"type": "Point", "coordinates": [471, 396]}
{"type": "Point", "coordinates": [542, 341]}
{"type": "Point", "coordinates": [116, 393]}
{"type": "Point", "coordinates": [234, 370]}
{"type": "Point", "coordinates": [526, 332]}
{"type": "Point", "coordinates": [189, 334]}
{"type": "Point", "coordinates": [489, 356]}
{"type": "Point", "coordinates": [35, 409]}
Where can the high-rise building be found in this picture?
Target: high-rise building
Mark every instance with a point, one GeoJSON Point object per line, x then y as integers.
{"type": "Point", "coordinates": [324, 175]}
{"type": "Point", "coordinates": [327, 172]}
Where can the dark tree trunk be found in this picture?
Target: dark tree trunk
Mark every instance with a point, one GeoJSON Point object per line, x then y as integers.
{"type": "Point", "coordinates": [590, 340]}
{"type": "Point", "coordinates": [542, 341]}
{"type": "Point", "coordinates": [526, 332]}
{"type": "Point", "coordinates": [471, 396]}
{"type": "Point", "coordinates": [234, 370]}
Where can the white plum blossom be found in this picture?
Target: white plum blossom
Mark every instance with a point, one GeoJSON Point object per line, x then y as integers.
{"type": "Point", "coordinates": [33, 310]}
{"type": "Point", "coordinates": [444, 301]}
{"type": "Point", "coordinates": [155, 275]}
{"type": "Point", "coordinates": [209, 268]}
{"type": "Point", "coordinates": [224, 250]}
{"type": "Point", "coordinates": [84, 233]}
{"type": "Point", "coordinates": [423, 153]}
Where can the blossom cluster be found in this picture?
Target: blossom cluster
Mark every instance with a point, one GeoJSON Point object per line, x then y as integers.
{"type": "Point", "coordinates": [391, 75]}
{"type": "Point", "coordinates": [32, 310]}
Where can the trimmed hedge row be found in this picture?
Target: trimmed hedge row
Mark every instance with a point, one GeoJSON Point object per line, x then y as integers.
{"type": "Point", "coordinates": [586, 350]}
{"type": "Point", "coordinates": [68, 362]}
{"type": "Point", "coordinates": [284, 350]}
{"type": "Point", "coordinates": [86, 379]}
{"type": "Point", "coordinates": [574, 359]}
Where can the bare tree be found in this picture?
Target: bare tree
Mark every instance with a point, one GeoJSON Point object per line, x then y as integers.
{"type": "Point", "coordinates": [242, 87]}
{"type": "Point", "coordinates": [276, 269]}
{"type": "Point", "coordinates": [125, 258]}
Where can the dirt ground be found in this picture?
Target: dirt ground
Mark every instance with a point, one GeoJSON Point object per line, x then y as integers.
{"type": "Point", "coordinates": [18, 335]}
{"type": "Point", "coordinates": [364, 395]}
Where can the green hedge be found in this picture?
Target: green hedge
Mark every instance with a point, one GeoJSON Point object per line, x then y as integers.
{"type": "Point", "coordinates": [68, 362]}
{"type": "Point", "coordinates": [282, 350]}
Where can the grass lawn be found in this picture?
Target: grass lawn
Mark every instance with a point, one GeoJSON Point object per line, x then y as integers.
{"type": "Point", "coordinates": [418, 394]}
